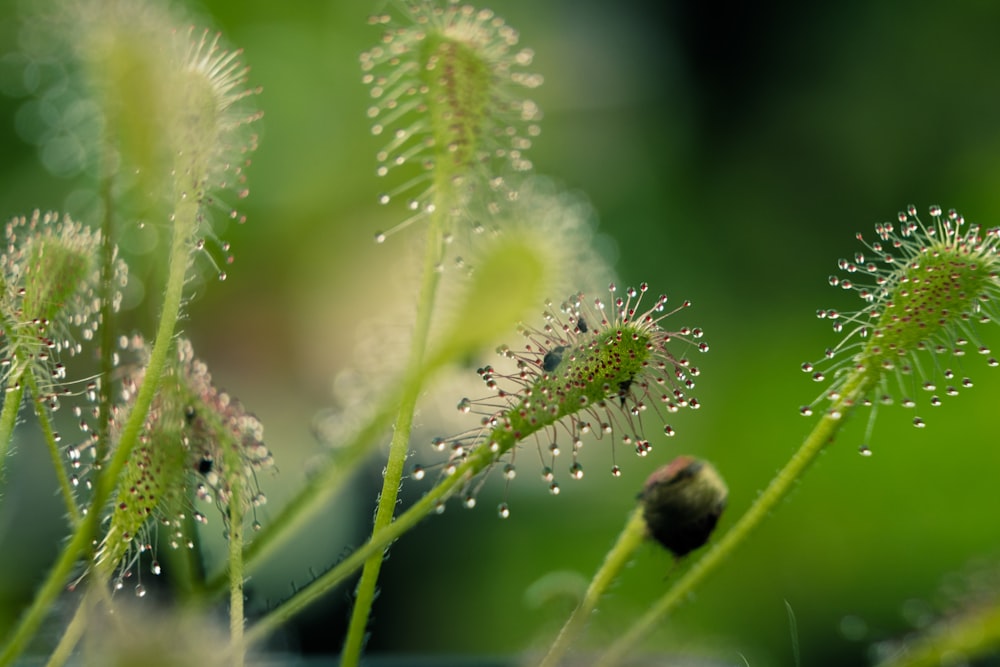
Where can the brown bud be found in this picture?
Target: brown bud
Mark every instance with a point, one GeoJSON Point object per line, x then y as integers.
{"type": "Point", "coordinates": [682, 502]}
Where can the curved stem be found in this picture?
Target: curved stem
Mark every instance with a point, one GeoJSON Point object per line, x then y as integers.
{"type": "Point", "coordinates": [629, 540]}
{"type": "Point", "coordinates": [776, 491]}
{"type": "Point", "coordinates": [400, 444]}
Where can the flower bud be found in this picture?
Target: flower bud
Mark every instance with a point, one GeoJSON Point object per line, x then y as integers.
{"type": "Point", "coordinates": [682, 501]}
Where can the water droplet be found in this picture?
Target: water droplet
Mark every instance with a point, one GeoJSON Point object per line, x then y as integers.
{"type": "Point", "coordinates": [465, 406]}
{"type": "Point", "coordinates": [503, 511]}
{"type": "Point", "coordinates": [418, 472]}
{"type": "Point", "coordinates": [155, 567]}
{"type": "Point", "coordinates": [547, 474]}
{"type": "Point", "coordinates": [668, 430]}
{"type": "Point", "coordinates": [469, 501]}
{"type": "Point", "coordinates": [554, 488]}
{"type": "Point", "coordinates": [509, 472]}
{"type": "Point", "coordinates": [864, 450]}
{"type": "Point", "coordinates": [576, 471]}
{"type": "Point", "coordinates": [616, 471]}
{"type": "Point", "coordinates": [222, 275]}
{"type": "Point", "coordinates": [380, 237]}
{"type": "Point", "coordinates": [918, 422]}
{"type": "Point", "coordinates": [384, 199]}
{"type": "Point", "coordinates": [806, 411]}
{"type": "Point", "coordinates": [439, 507]}
{"type": "Point", "coordinates": [140, 591]}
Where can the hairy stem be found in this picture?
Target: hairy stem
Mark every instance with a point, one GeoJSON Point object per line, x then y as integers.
{"type": "Point", "coordinates": [633, 535]}
{"type": "Point", "coordinates": [400, 444]}
{"type": "Point", "coordinates": [8, 420]}
{"type": "Point", "coordinates": [236, 618]}
{"type": "Point", "coordinates": [108, 289]}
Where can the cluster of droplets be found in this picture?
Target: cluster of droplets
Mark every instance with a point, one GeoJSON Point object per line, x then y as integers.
{"type": "Point", "coordinates": [925, 288]}
{"type": "Point", "coordinates": [447, 87]}
{"type": "Point", "coordinates": [51, 300]}
{"type": "Point", "coordinates": [196, 442]}
{"type": "Point", "coordinates": [580, 373]}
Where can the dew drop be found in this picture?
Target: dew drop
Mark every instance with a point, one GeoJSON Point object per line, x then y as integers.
{"type": "Point", "coordinates": [918, 422]}
{"type": "Point", "coordinates": [469, 502]}
{"type": "Point", "coordinates": [509, 472]}
{"type": "Point", "coordinates": [806, 411]}
{"type": "Point", "coordinates": [669, 431]}
{"type": "Point", "coordinates": [547, 474]}
{"type": "Point", "coordinates": [439, 507]}
{"type": "Point", "coordinates": [616, 471]}
{"type": "Point", "coordinates": [465, 406]}
{"type": "Point", "coordinates": [140, 591]}
{"type": "Point", "coordinates": [503, 511]}
{"type": "Point", "coordinates": [222, 275]}
{"type": "Point", "coordinates": [380, 237]}
{"type": "Point", "coordinates": [418, 472]}
{"type": "Point", "coordinates": [384, 199]}
{"type": "Point", "coordinates": [554, 488]}
{"type": "Point", "coordinates": [864, 450]}
{"type": "Point", "coordinates": [255, 526]}
{"type": "Point", "coordinates": [576, 471]}
{"type": "Point", "coordinates": [155, 567]}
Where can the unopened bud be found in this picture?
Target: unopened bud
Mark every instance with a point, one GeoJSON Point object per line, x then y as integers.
{"type": "Point", "coordinates": [682, 502]}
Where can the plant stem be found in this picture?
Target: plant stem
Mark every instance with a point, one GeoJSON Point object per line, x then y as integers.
{"type": "Point", "coordinates": [8, 420]}
{"type": "Point", "coordinates": [400, 444]}
{"type": "Point", "coordinates": [823, 433]}
{"type": "Point", "coordinates": [236, 617]}
{"type": "Point", "coordinates": [108, 289]}
{"type": "Point", "coordinates": [633, 535]}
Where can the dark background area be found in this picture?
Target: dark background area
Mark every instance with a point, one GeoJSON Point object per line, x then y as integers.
{"type": "Point", "coordinates": [732, 151]}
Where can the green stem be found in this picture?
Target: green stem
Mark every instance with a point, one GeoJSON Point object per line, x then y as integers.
{"type": "Point", "coordinates": [8, 420]}
{"type": "Point", "coordinates": [65, 488]}
{"type": "Point", "coordinates": [108, 290]}
{"type": "Point", "coordinates": [400, 444]}
{"type": "Point", "coordinates": [476, 462]}
{"type": "Point", "coordinates": [633, 535]}
{"type": "Point", "coordinates": [236, 617]}
{"type": "Point", "coordinates": [185, 221]}
{"type": "Point", "coordinates": [766, 502]}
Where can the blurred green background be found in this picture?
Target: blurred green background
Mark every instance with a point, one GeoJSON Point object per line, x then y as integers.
{"type": "Point", "coordinates": [731, 150]}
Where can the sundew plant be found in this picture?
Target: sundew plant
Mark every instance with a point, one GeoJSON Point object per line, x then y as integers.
{"type": "Point", "coordinates": [509, 445]}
